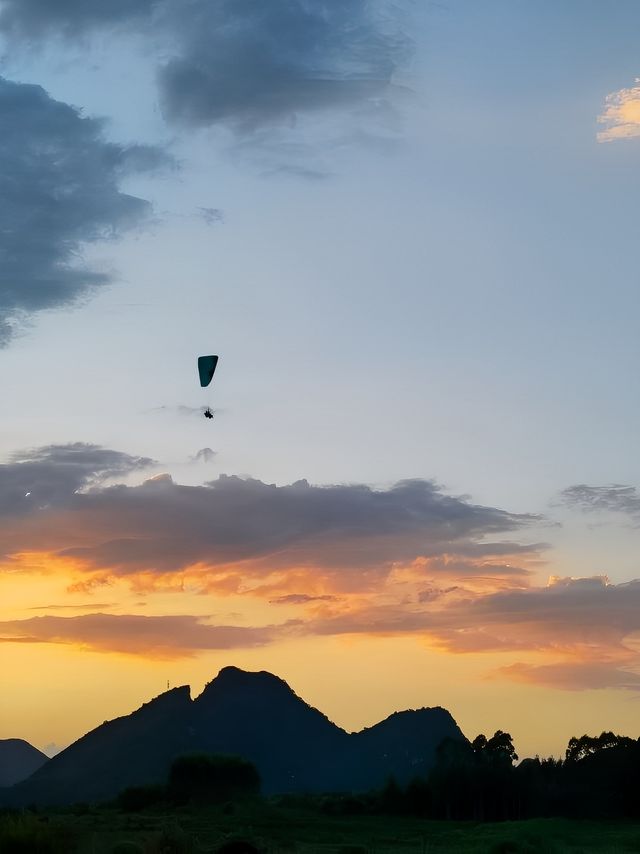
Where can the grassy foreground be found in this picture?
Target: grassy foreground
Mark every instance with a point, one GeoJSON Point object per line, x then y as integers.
{"type": "Point", "coordinates": [277, 828]}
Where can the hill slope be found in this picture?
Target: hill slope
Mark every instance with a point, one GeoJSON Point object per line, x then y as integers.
{"type": "Point", "coordinates": [18, 760]}
{"type": "Point", "coordinates": [255, 715]}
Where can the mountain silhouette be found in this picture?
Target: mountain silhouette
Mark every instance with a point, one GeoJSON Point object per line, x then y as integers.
{"type": "Point", "coordinates": [18, 760]}
{"type": "Point", "coordinates": [254, 715]}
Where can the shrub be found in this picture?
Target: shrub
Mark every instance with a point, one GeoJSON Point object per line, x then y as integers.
{"type": "Point", "coordinates": [137, 798]}
{"type": "Point", "coordinates": [530, 845]}
{"type": "Point", "coordinates": [237, 846]}
{"type": "Point", "coordinates": [212, 779]}
{"type": "Point", "coordinates": [127, 847]}
{"type": "Point", "coordinates": [27, 833]}
{"type": "Point", "coordinates": [171, 839]}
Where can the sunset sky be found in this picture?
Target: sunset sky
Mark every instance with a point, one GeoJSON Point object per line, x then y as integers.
{"type": "Point", "coordinates": [410, 232]}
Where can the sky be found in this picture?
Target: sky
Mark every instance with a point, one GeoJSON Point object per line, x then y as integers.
{"type": "Point", "coordinates": [409, 231]}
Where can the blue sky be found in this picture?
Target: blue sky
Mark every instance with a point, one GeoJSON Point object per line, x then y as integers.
{"type": "Point", "coordinates": [398, 230]}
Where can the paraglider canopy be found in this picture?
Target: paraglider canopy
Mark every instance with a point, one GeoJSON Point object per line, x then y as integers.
{"type": "Point", "coordinates": [206, 368]}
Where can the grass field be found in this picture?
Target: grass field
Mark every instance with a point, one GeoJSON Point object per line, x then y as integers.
{"type": "Point", "coordinates": [279, 829]}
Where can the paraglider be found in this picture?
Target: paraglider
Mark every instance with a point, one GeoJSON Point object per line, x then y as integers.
{"type": "Point", "coordinates": [206, 369]}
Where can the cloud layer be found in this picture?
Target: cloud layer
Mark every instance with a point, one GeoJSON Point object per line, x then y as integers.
{"type": "Point", "coordinates": [242, 531]}
{"type": "Point", "coordinates": [59, 183]}
{"type": "Point", "coordinates": [249, 62]}
{"type": "Point", "coordinates": [615, 498]}
{"type": "Point", "coordinates": [155, 637]}
{"type": "Point", "coordinates": [242, 63]}
{"type": "Point", "coordinates": [39, 479]}
{"type": "Point", "coordinates": [343, 559]}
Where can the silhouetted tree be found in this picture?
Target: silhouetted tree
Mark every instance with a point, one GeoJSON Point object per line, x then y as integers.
{"type": "Point", "coordinates": [500, 747]}
{"type": "Point", "coordinates": [580, 748]}
{"type": "Point", "coordinates": [418, 797]}
{"type": "Point", "coordinates": [452, 780]}
{"type": "Point", "coordinates": [211, 778]}
{"type": "Point", "coordinates": [475, 780]}
{"type": "Point", "coordinates": [392, 799]}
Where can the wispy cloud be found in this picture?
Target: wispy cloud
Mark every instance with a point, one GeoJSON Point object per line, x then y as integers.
{"type": "Point", "coordinates": [621, 115]}
{"type": "Point", "coordinates": [613, 498]}
{"type": "Point", "coordinates": [586, 628]}
{"type": "Point", "coordinates": [155, 637]}
{"type": "Point", "coordinates": [302, 599]}
{"type": "Point", "coordinates": [204, 455]}
{"type": "Point", "coordinates": [573, 676]}
{"type": "Point", "coordinates": [211, 216]}
{"type": "Point", "coordinates": [86, 606]}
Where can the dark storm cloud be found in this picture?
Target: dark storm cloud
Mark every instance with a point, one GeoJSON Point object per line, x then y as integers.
{"type": "Point", "coordinates": [616, 498]}
{"type": "Point", "coordinates": [154, 637]}
{"type": "Point", "coordinates": [243, 63]}
{"type": "Point", "coordinates": [51, 476]}
{"type": "Point", "coordinates": [59, 185]}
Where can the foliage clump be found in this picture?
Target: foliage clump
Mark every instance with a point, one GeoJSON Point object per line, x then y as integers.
{"type": "Point", "coordinates": [136, 798]}
{"type": "Point", "coordinates": [26, 833]}
{"type": "Point", "coordinates": [203, 778]}
{"type": "Point", "coordinates": [127, 847]}
{"type": "Point", "coordinates": [171, 839]}
{"type": "Point", "coordinates": [238, 846]}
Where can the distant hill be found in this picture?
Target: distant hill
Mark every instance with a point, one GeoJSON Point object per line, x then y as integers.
{"type": "Point", "coordinates": [18, 760]}
{"type": "Point", "coordinates": [254, 715]}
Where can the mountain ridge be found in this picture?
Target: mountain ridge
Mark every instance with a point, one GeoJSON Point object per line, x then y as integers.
{"type": "Point", "coordinates": [18, 760]}
{"type": "Point", "coordinates": [257, 715]}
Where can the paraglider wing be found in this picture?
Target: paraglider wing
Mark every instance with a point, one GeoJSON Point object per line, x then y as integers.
{"type": "Point", "coordinates": [206, 368]}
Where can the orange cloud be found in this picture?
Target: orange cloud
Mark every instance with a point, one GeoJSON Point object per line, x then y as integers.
{"type": "Point", "coordinates": [164, 637]}
{"type": "Point", "coordinates": [621, 115]}
{"type": "Point", "coordinates": [406, 560]}
{"type": "Point", "coordinates": [573, 676]}
{"type": "Point", "coordinates": [241, 535]}
{"type": "Point", "coordinates": [586, 630]}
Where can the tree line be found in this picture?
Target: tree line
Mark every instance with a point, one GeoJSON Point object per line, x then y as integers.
{"type": "Point", "coordinates": [599, 777]}
{"type": "Point", "coordinates": [481, 780]}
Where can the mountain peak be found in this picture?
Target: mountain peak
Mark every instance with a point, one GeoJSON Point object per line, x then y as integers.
{"type": "Point", "coordinates": [234, 678]}
{"type": "Point", "coordinates": [253, 714]}
{"type": "Point", "coordinates": [171, 696]}
{"type": "Point", "coordinates": [18, 760]}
